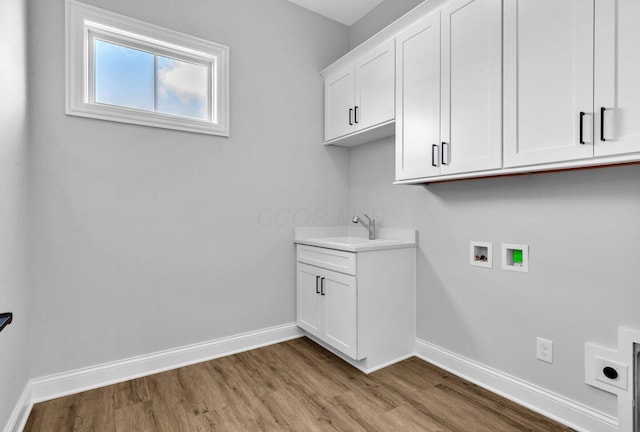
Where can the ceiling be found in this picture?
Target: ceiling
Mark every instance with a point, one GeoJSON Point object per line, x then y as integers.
{"type": "Point", "coordinates": [346, 12]}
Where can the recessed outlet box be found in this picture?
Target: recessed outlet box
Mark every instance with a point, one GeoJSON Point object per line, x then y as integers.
{"type": "Point", "coordinates": [603, 369]}
{"type": "Point", "coordinates": [515, 257]}
{"type": "Point", "coordinates": [481, 254]}
{"type": "Point", "coordinates": [611, 372]}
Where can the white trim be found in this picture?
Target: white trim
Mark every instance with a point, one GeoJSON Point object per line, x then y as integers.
{"type": "Point", "coordinates": [81, 19]}
{"type": "Point", "coordinates": [626, 339]}
{"type": "Point", "coordinates": [549, 404]}
{"type": "Point", "coordinates": [63, 384]}
{"type": "Point", "coordinates": [387, 364]}
{"type": "Point", "coordinates": [361, 365]}
{"type": "Point", "coordinates": [21, 411]}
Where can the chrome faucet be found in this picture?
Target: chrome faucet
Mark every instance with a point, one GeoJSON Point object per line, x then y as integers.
{"type": "Point", "coordinates": [371, 226]}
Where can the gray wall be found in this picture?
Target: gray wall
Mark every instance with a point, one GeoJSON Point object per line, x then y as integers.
{"type": "Point", "coordinates": [582, 229]}
{"type": "Point", "coordinates": [14, 285]}
{"type": "Point", "coordinates": [379, 17]}
{"type": "Point", "coordinates": [149, 239]}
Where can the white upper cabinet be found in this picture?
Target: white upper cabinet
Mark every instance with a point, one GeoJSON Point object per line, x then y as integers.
{"type": "Point", "coordinates": [496, 87]}
{"type": "Point", "coordinates": [418, 100]}
{"type": "Point", "coordinates": [448, 91]}
{"type": "Point", "coordinates": [548, 81]}
{"type": "Point", "coordinates": [360, 94]}
{"type": "Point", "coordinates": [375, 91]}
{"type": "Point", "coordinates": [617, 77]}
{"type": "Point", "coordinates": [471, 113]}
{"type": "Point", "coordinates": [339, 102]}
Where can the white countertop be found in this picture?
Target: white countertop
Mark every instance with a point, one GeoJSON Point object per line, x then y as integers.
{"type": "Point", "coordinates": [354, 239]}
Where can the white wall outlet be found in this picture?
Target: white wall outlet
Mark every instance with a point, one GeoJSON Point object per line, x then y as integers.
{"type": "Point", "coordinates": [481, 254]}
{"type": "Point", "coordinates": [544, 350]}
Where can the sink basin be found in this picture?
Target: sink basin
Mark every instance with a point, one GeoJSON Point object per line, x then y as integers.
{"type": "Point", "coordinates": [355, 239]}
{"type": "Point", "coordinates": [353, 244]}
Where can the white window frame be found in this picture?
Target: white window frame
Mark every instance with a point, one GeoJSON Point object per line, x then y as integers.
{"type": "Point", "coordinates": [86, 23]}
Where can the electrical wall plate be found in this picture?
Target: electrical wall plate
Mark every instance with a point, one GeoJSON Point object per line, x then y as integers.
{"type": "Point", "coordinates": [544, 350]}
{"type": "Point", "coordinates": [596, 359]}
{"type": "Point", "coordinates": [481, 254]}
{"type": "Point", "coordinates": [611, 372]}
{"type": "Point", "coordinates": [515, 257]}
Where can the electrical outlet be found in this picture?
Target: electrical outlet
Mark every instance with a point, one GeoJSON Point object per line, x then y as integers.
{"type": "Point", "coordinates": [544, 350]}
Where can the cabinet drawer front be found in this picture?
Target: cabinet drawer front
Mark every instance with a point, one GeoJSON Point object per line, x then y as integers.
{"type": "Point", "coordinates": [343, 262]}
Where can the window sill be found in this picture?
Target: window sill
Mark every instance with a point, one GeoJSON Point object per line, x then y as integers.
{"type": "Point", "coordinates": [133, 116]}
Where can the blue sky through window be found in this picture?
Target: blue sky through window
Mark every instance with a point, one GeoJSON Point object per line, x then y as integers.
{"type": "Point", "coordinates": [125, 77]}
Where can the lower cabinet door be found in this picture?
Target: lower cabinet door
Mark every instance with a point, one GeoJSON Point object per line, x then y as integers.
{"type": "Point", "coordinates": [309, 310]}
{"type": "Point", "coordinates": [339, 294]}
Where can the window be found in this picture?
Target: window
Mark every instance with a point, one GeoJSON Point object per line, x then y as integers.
{"type": "Point", "coordinates": [125, 70]}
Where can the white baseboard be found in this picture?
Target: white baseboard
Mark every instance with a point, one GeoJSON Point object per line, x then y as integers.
{"type": "Point", "coordinates": [559, 408]}
{"type": "Point", "coordinates": [554, 406]}
{"type": "Point", "coordinates": [361, 365]}
{"type": "Point", "coordinates": [21, 411]}
{"type": "Point", "coordinates": [387, 364]}
{"type": "Point", "coordinates": [54, 386]}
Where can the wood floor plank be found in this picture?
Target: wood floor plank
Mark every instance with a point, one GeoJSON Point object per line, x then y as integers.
{"type": "Point", "coordinates": [292, 386]}
{"type": "Point", "coordinates": [131, 392]}
{"type": "Point", "coordinates": [135, 417]}
{"type": "Point", "coordinates": [407, 418]}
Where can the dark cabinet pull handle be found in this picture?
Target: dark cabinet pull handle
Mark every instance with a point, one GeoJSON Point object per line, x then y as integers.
{"type": "Point", "coordinates": [317, 288]}
{"type": "Point", "coordinates": [322, 292]}
{"type": "Point", "coordinates": [582, 114]}
{"type": "Point", "coordinates": [444, 151]}
{"type": "Point", "coordinates": [6, 318]}
{"type": "Point", "coordinates": [602, 110]}
{"type": "Point", "coordinates": [350, 115]}
{"type": "Point", "coordinates": [355, 114]}
{"type": "Point", "coordinates": [434, 149]}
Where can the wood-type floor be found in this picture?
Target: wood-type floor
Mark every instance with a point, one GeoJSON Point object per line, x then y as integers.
{"type": "Point", "coordinates": [291, 386]}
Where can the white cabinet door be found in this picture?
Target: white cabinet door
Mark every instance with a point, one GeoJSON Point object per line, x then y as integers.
{"type": "Point", "coordinates": [339, 94]}
{"type": "Point", "coordinates": [340, 312]}
{"type": "Point", "coordinates": [418, 100]}
{"type": "Point", "coordinates": [548, 80]}
{"type": "Point", "coordinates": [375, 87]}
{"type": "Point", "coordinates": [327, 307]}
{"type": "Point", "coordinates": [309, 299]}
{"type": "Point", "coordinates": [617, 80]}
{"type": "Point", "coordinates": [471, 114]}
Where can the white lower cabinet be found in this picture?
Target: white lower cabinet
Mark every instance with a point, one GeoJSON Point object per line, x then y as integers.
{"type": "Point", "coordinates": [327, 306]}
{"type": "Point", "coordinates": [309, 300]}
{"type": "Point", "coordinates": [360, 304]}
